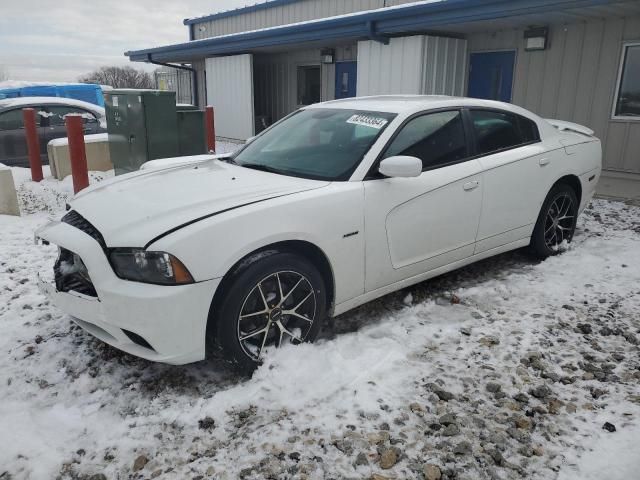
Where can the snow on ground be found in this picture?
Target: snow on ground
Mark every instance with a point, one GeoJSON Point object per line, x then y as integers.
{"type": "Point", "coordinates": [505, 369]}
{"type": "Point", "coordinates": [49, 195]}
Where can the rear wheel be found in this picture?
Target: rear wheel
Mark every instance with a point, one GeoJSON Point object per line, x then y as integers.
{"type": "Point", "coordinates": [557, 221]}
{"type": "Point", "coordinates": [276, 300]}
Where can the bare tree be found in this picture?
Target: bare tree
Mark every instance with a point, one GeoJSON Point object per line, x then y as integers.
{"type": "Point", "coordinates": [119, 77]}
{"type": "Point", "coordinates": [4, 73]}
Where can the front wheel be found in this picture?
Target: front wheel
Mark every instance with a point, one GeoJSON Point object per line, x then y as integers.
{"type": "Point", "coordinates": [278, 299]}
{"type": "Point", "coordinates": [556, 223]}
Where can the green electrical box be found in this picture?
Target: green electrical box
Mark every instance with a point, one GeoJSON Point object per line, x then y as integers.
{"type": "Point", "coordinates": [191, 135]}
{"type": "Point", "coordinates": [142, 126]}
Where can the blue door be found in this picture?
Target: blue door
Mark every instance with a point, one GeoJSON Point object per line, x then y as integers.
{"type": "Point", "coordinates": [491, 75]}
{"type": "Point", "coordinates": [346, 79]}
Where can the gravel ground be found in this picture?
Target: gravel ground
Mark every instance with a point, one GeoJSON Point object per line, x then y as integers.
{"type": "Point", "coordinates": [506, 369]}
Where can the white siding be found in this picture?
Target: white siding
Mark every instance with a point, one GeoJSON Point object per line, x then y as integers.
{"type": "Point", "coordinates": [445, 61]}
{"type": "Point", "coordinates": [230, 92]}
{"type": "Point", "coordinates": [412, 65]}
{"type": "Point", "coordinates": [393, 68]}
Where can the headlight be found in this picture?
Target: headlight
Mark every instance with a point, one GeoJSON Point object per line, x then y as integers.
{"type": "Point", "coordinates": [140, 265]}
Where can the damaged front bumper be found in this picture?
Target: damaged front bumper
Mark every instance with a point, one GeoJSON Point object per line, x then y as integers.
{"type": "Point", "coordinates": [159, 323]}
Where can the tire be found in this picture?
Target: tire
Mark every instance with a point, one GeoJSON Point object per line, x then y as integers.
{"type": "Point", "coordinates": [556, 222]}
{"type": "Point", "coordinates": [252, 317]}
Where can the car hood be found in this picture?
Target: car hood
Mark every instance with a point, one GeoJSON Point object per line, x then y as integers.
{"type": "Point", "coordinates": [133, 209]}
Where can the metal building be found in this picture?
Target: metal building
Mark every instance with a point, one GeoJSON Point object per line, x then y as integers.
{"type": "Point", "coordinates": [576, 60]}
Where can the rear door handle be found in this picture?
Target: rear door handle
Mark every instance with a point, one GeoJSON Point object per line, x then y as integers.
{"type": "Point", "coordinates": [544, 162]}
{"type": "Point", "coordinates": [471, 185]}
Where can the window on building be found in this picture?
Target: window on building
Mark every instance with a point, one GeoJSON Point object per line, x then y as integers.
{"type": "Point", "coordinates": [437, 139]}
{"type": "Point", "coordinates": [628, 98]}
{"type": "Point", "coordinates": [308, 84]}
{"type": "Point", "coordinates": [496, 131]}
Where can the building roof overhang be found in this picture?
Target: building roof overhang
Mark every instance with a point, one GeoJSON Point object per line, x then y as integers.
{"type": "Point", "coordinates": [373, 24]}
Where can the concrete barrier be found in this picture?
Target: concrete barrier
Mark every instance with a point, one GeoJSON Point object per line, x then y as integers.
{"type": "Point", "coordinates": [96, 147]}
{"type": "Point", "coordinates": [8, 196]}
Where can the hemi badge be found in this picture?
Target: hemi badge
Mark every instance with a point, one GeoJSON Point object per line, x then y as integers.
{"type": "Point", "coordinates": [350, 234]}
{"type": "Point", "coordinates": [591, 178]}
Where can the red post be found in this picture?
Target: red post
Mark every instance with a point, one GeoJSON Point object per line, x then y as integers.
{"type": "Point", "coordinates": [77, 152]}
{"type": "Point", "coordinates": [210, 128]}
{"type": "Point", "coordinates": [33, 143]}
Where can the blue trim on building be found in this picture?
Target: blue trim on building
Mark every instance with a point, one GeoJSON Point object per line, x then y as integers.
{"type": "Point", "coordinates": [238, 11]}
{"type": "Point", "coordinates": [390, 21]}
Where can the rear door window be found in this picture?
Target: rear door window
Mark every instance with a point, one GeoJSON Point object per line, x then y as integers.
{"type": "Point", "coordinates": [496, 131]}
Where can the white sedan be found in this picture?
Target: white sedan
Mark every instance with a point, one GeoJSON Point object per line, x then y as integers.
{"type": "Point", "coordinates": [335, 205]}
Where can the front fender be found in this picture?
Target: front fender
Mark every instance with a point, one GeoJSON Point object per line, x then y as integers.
{"type": "Point", "coordinates": [330, 218]}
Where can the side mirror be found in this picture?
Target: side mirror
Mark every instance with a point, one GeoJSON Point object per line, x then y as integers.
{"type": "Point", "coordinates": [401, 166]}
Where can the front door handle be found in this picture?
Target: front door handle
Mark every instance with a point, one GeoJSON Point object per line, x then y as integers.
{"type": "Point", "coordinates": [471, 185]}
{"type": "Point", "coordinates": [544, 162]}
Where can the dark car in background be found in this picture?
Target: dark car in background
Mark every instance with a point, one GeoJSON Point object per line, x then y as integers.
{"type": "Point", "coordinates": [50, 119]}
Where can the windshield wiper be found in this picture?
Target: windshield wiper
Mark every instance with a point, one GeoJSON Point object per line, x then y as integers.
{"type": "Point", "coordinates": [261, 168]}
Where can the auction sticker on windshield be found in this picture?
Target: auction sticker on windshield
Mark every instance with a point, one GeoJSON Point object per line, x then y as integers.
{"type": "Point", "coordinates": [368, 121]}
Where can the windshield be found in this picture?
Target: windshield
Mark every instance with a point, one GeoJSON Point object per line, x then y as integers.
{"type": "Point", "coordinates": [321, 144]}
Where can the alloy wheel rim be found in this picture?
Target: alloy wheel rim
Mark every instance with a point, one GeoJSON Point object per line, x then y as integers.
{"type": "Point", "coordinates": [559, 221]}
{"type": "Point", "coordinates": [279, 309]}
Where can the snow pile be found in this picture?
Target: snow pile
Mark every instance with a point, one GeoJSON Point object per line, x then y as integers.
{"type": "Point", "coordinates": [505, 369]}
{"type": "Point", "coordinates": [49, 195]}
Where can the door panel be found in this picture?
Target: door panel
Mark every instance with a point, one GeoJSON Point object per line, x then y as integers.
{"type": "Point", "coordinates": [415, 225]}
{"type": "Point", "coordinates": [346, 79]}
{"type": "Point", "coordinates": [517, 172]}
{"type": "Point", "coordinates": [491, 75]}
{"type": "Point", "coordinates": [515, 186]}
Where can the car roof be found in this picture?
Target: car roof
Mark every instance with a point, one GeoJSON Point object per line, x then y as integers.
{"type": "Point", "coordinates": [417, 103]}
{"type": "Point", "coordinates": [8, 103]}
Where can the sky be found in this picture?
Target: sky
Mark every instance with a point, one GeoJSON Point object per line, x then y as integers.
{"type": "Point", "coordinates": [59, 40]}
